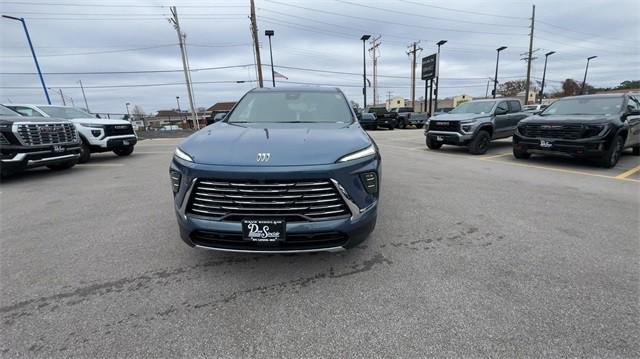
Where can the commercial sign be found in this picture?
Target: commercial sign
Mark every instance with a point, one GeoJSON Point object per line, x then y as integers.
{"type": "Point", "coordinates": [429, 64]}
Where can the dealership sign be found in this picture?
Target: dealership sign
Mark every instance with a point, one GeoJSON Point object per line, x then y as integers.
{"type": "Point", "coordinates": [429, 64]}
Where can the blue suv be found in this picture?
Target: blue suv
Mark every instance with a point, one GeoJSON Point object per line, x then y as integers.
{"type": "Point", "coordinates": [287, 170]}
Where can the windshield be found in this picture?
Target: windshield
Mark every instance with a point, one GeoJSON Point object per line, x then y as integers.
{"type": "Point", "coordinates": [479, 107]}
{"type": "Point", "coordinates": [292, 107]}
{"type": "Point", "coordinates": [64, 112]}
{"type": "Point", "coordinates": [585, 106]}
{"type": "Point", "coordinates": [7, 112]}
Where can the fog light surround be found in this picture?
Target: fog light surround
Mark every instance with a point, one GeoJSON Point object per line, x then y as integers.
{"type": "Point", "coordinates": [176, 179]}
{"type": "Point", "coordinates": [370, 181]}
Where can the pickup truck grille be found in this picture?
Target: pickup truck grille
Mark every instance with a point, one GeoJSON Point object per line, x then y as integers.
{"type": "Point", "coordinates": [566, 131]}
{"type": "Point", "coordinates": [46, 134]}
{"type": "Point", "coordinates": [290, 200]}
{"type": "Point", "coordinates": [118, 130]}
{"type": "Point", "coordinates": [448, 126]}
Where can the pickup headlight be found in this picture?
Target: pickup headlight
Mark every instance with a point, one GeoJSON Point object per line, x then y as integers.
{"type": "Point", "coordinates": [369, 151]}
{"type": "Point", "coordinates": [594, 130]}
{"type": "Point", "coordinates": [91, 125]}
{"type": "Point", "coordinates": [183, 155]}
{"type": "Point", "coordinates": [468, 125]}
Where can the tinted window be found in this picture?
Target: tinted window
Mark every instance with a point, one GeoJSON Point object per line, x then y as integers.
{"type": "Point", "coordinates": [633, 105]}
{"type": "Point", "coordinates": [474, 107]}
{"type": "Point", "coordinates": [7, 112]}
{"type": "Point", "coordinates": [514, 106]}
{"type": "Point", "coordinates": [64, 112]}
{"type": "Point", "coordinates": [503, 106]}
{"type": "Point", "coordinates": [585, 106]}
{"type": "Point", "coordinates": [292, 107]}
{"type": "Point", "coordinates": [26, 111]}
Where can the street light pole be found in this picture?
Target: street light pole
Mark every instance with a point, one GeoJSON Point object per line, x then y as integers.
{"type": "Point", "coordinates": [544, 74]}
{"type": "Point", "coordinates": [495, 78]}
{"type": "Point", "coordinates": [584, 82]}
{"type": "Point", "coordinates": [33, 53]}
{"type": "Point", "coordinates": [270, 33]}
{"type": "Point", "coordinates": [435, 105]}
{"type": "Point", "coordinates": [364, 38]}
{"type": "Point", "coordinates": [178, 102]}
{"type": "Point", "coordinates": [128, 114]}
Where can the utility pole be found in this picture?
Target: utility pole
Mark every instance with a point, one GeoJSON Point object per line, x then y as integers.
{"type": "Point", "coordinates": [375, 43]}
{"type": "Point", "coordinates": [254, 33]}
{"type": "Point", "coordinates": [389, 97]}
{"type": "Point", "coordinates": [176, 24]}
{"type": "Point", "coordinates": [412, 52]}
{"type": "Point", "coordinates": [526, 91]}
{"type": "Point", "coordinates": [86, 104]}
{"type": "Point", "coordinates": [59, 91]}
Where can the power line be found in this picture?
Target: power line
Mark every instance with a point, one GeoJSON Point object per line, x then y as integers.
{"type": "Point", "coordinates": [118, 5]}
{"type": "Point", "coordinates": [95, 52]}
{"type": "Point", "coordinates": [133, 85]}
{"type": "Point", "coordinates": [464, 11]}
{"type": "Point", "coordinates": [584, 33]}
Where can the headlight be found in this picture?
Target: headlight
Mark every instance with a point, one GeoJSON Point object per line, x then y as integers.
{"type": "Point", "coordinates": [593, 130]}
{"type": "Point", "coordinates": [369, 151]}
{"type": "Point", "coordinates": [92, 125]}
{"type": "Point", "coordinates": [182, 155]}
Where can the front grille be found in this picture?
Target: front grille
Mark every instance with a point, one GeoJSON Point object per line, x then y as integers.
{"type": "Point", "coordinates": [566, 131]}
{"type": "Point", "coordinates": [46, 134]}
{"type": "Point", "coordinates": [4, 140]}
{"type": "Point", "coordinates": [290, 200]}
{"type": "Point", "coordinates": [447, 126]}
{"type": "Point", "coordinates": [118, 130]}
{"type": "Point", "coordinates": [227, 240]}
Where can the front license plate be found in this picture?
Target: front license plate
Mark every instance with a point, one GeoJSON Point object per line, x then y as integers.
{"type": "Point", "coordinates": [257, 230]}
{"type": "Point", "coordinates": [439, 138]}
{"type": "Point", "coordinates": [545, 144]}
{"type": "Point", "coordinates": [126, 143]}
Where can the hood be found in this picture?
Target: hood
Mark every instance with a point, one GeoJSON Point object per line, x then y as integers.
{"type": "Point", "coordinates": [99, 121]}
{"type": "Point", "coordinates": [459, 116]}
{"type": "Point", "coordinates": [12, 119]}
{"type": "Point", "coordinates": [289, 144]}
{"type": "Point", "coordinates": [569, 118]}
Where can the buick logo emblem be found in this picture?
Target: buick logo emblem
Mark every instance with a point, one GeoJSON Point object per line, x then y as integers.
{"type": "Point", "coordinates": [263, 157]}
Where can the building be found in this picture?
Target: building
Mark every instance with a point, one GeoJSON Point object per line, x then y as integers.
{"type": "Point", "coordinates": [221, 107]}
{"type": "Point", "coordinates": [397, 101]}
{"type": "Point", "coordinates": [533, 96]}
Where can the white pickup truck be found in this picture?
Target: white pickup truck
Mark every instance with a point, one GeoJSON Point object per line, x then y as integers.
{"type": "Point", "coordinates": [407, 117]}
{"type": "Point", "coordinates": [97, 134]}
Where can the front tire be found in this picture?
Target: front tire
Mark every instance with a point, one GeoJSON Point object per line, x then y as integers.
{"type": "Point", "coordinates": [419, 126]}
{"type": "Point", "coordinates": [433, 144]}
{"type": "Point", "coordinates": [123, 151]}
{"type": "Point", "coordinates": [611, 157]}
{"type": "Point", "coordinates": [480, 144]}
{"type": "Point", "coordinates": [85, 153]}
{"type": "Point", "coordinates": [636, 150]}
{"type": "Point", "coordinates": [62, 166]}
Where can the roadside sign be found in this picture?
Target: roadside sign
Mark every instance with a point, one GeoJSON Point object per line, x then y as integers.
{"type": "Point", "coordinates": [429, 67]}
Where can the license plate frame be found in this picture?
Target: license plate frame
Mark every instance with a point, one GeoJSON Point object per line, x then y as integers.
{"type": "Point", "coordinates": [264, 230]}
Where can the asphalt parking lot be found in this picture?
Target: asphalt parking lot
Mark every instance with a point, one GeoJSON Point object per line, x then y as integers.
{"type": "Point", "coordinates": [472, 256]}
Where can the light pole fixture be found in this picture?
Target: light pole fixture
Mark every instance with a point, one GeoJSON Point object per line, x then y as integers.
{"type": "Point", "coordinates": [364, 38]}
{"type": "Point", "coordinates": [178, 103]}
{"type": "Point", "coordinates": [584, 82]}
{"type": "Point", "coordinates": [544, 74]}
{"type": "Point", "coordinates": [33, 53]}
{"type": "Point", "coordinates": [435, 105]}
{"type": "Point", "coordinates": [128, 114]}
{"type": "Point", "coordinates": [270, 33]}
{"type": "Point", "coordinates": [495, 78]}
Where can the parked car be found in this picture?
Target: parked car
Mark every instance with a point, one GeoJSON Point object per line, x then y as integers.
{"type": "Point", "coordinates": [288, 170]}
{"type": "Point", "coordinates": [406, 116]}
{"type": "Point", "coordinates": [215, 118]}
{"type": "Point", "coordinates": [170, 128]}
{"type": "Point", "coordinates": [533, 109]}
{"type": "Point", "coordinates": [592, 126]}
{"type": "Point", "coordinates": [96, 134]}
{"type": "Point", "coordinates": [475, 124]}
{"type": "Point", "coordinates": [368, 120]}
{"type": "Point", "coordinates": [27, 142]}
{"type": "Point", "coordinates": [384, 117]}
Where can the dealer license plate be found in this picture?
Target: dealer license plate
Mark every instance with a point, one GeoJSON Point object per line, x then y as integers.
{"type": "Point", "coordinates": [257, 230]}
{"type": "Point", "coordinates": [439, 138]}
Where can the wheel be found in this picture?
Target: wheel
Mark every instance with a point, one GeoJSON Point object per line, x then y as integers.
{"type": "Point", "coordinates": [480, 144]}
{"type": "Point", "coordinates": [85, 153]}
{"type": "Point", "coordinates": [391, 128]}
{"type": "Point", "coordinates": [63, 166]}
{"type": "Point", "coordinates": [123, 151]}
{"type": "Point", "coordinates": [521, 155]}
{"type": "Point", "coordinates": [636, 150]}
{"type": "Point", "coordinates": [611, 157]}
{"type": "Point", "coordinates": [419, 125]}
{"type": "Point", "coordinates": [432, 144]}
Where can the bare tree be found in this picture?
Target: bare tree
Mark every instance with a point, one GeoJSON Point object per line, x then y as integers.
{"type": "Point", "coordinates": [512, 88]}
{"type": "Point", "coordinates": [137, 112]}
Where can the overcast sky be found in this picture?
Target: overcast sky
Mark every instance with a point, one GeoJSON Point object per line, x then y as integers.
{"type": "Point", "coordinates": [324, 35]}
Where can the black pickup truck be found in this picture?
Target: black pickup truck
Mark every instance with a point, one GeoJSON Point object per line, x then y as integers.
{"type": "Point", "coordinates": [384, 117]}
{"type": "Point", "coordinates": [27, 142]}
{"type": "Point", "coordinates": [593, 126]}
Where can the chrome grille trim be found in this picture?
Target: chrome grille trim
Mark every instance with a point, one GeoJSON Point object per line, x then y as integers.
{"type": "Point", "coordinates": [295, 201]}
{"type": "Point", "coordinates": [34, 134]}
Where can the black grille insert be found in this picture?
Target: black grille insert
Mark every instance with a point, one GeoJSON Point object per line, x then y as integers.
{"type": "Point", "coordinates": [308, 200]}
{"type": "Point", "coordinates": [227, 240]}
{"type": "Point", "coordinates": [553, 130]}
{"type": "Point", "coordinates": [118, 130]}
{"type": "Point", "coordinates": [448, 126]}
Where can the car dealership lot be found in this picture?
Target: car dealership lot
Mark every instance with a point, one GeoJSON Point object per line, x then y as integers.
{"type": "Point", "coordinates": [471, 256]}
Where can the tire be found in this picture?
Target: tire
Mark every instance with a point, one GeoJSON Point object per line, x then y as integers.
{"type": "Point", "coordinates": [419, 126]}
{"type": "Point", "coordinates": [123, 151]}
{"type": "Point", "coordinates": [62, 166]}
{"type": "Point", "coordinates": [480, 144]}
{"type": "Point", "coordinates": [391, 128]}
{"type": "Point", "coordinates": [85, 153]}
{"type": "Point", "coordinates": [433, 144]}
{"type": "Point", "coordinates": [402, 124]}
{"type": "Point", "coordinates": [521, 155]}
{"type": "Point", "coordinates": [611, 157]}
{"type": "Point", "coordinates": [636, 150]}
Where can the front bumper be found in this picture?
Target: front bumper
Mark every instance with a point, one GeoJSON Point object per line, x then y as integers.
{"type": "Point", "coordinates": [17, 158]}
{"type": "Point", "coordinates": [585, 148]}
{"type": "Point", "coordinates": [450, 138]}
{"type": "Point", "coordinates": [333, 235]}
